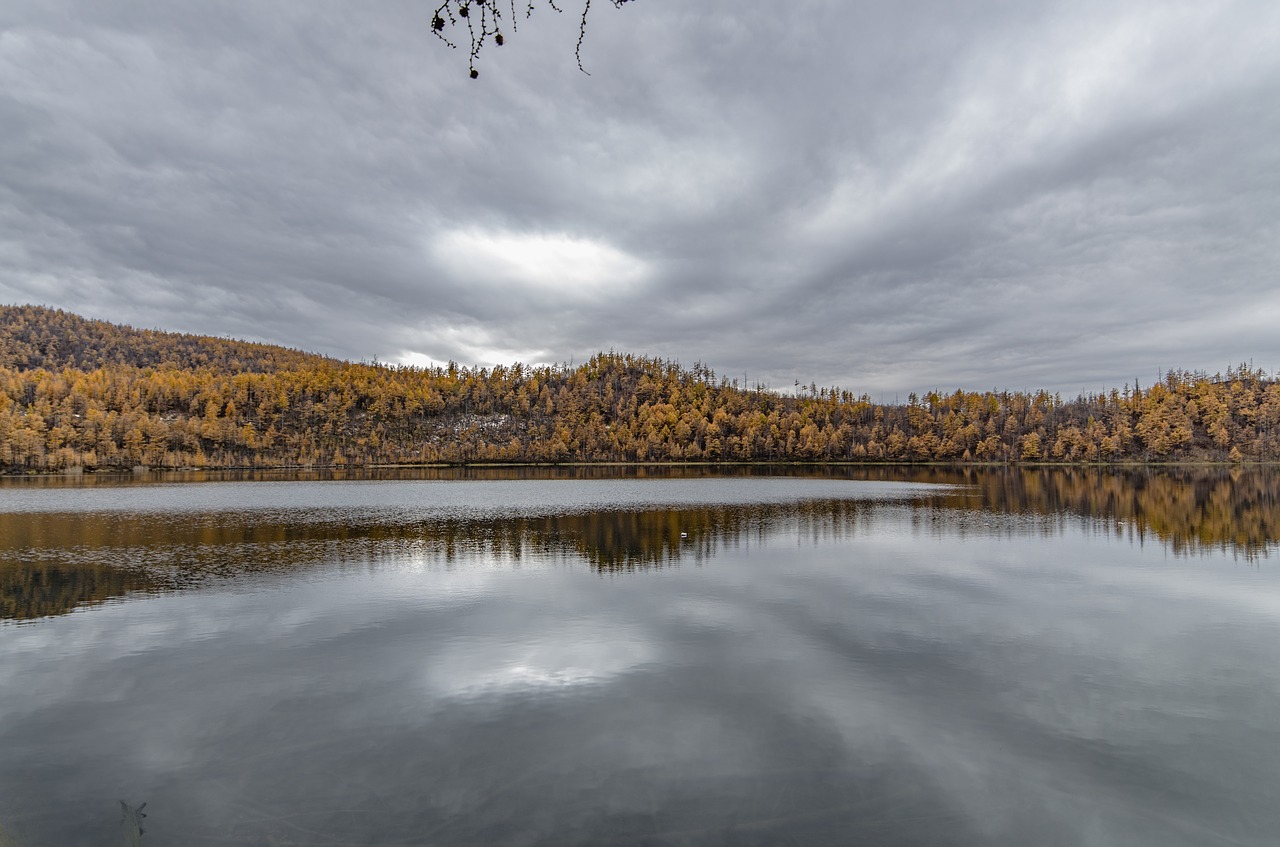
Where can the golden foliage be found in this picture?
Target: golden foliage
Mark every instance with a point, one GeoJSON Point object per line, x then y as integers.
{"type": "Point", "coordinates": [86, 394]}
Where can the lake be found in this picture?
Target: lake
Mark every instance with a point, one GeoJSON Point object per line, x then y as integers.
{"type": "Point", "coordinates": [660, 657]}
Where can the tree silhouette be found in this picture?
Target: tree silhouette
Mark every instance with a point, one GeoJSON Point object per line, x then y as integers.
{"type": "Point", "coordinates": [484, 19]}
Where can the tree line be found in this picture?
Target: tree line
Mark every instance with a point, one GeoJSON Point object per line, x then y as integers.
{"type": "Point", "coordinates": [76, 393]}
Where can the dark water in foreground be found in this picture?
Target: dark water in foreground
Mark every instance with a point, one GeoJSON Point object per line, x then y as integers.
{"type": "Point", "coordinates": [923, 658]}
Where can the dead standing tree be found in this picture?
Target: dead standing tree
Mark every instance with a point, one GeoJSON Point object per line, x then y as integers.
{"type": "Point", "coordinates": [484, 19]}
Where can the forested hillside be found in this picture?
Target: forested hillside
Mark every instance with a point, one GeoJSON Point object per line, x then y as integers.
{"type": "Point", "coordinates": [33, 337]}
{"type": "Point", "coordinates": [81, 393]}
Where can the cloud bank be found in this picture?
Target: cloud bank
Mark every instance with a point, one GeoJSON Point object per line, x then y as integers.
{"type": "Point", "coordinates": [888, 197]}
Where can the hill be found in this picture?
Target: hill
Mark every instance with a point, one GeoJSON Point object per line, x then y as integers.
{"type": "Point", "coordinates": [37, 337]}
{"type": "Point", "coordinates": [78, 393]}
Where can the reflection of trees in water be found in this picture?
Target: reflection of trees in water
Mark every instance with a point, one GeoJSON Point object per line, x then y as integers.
{"type": "Point", "coordinates": [1234, 510]}
{"type": "Point", "coordinates": [40, 590]}
{"type": "Point", "coordinates": [53, 563]}
{"type": "Point", "coordinates": [633, 540]}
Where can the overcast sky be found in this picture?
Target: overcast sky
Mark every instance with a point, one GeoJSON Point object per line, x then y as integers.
{"type": "Point", "coordinates": [889, 196]}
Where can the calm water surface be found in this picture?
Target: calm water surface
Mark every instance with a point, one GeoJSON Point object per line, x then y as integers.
{"type": "Point", "coordinates": [861, 657]}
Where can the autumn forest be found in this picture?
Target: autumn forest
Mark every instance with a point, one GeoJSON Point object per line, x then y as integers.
{"type": "Point", "coordinates": [85, 394]}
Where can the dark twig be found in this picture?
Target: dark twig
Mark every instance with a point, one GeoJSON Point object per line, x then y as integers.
{"type": "Point", "coordinates": [488, 26]}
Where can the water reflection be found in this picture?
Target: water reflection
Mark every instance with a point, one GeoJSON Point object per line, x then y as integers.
{"type": "Point", "coordinates": [1189, 510]}
{"type": "Point", "coordinates": [30, 591]}
{"type": "Point", "coordinates": [971, 666]}
{"type": "Point", "coordinates": [99, 557]}
{"type": "Point", "coordinates": [52, 562]}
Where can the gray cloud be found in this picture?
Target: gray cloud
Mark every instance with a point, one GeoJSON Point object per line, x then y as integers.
{"type": "Point", "coordinates": [885, 196]}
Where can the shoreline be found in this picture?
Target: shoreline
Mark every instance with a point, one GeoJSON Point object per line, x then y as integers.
{"type": "Point", "coordinates": [142, 470]}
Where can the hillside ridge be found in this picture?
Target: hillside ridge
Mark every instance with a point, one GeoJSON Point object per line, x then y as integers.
{"type": "Point", "coordinates": [88, 394]}
{"type": "Point", "coordinates": [42, 337]}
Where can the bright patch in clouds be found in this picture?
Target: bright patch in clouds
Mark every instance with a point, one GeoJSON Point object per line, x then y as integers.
{"type": "Point", "coordinates": [470, 344]}
{"type": "Point", "coordinates": [545, 261]}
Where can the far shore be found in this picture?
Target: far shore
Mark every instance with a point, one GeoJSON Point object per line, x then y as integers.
{"type": "Point", "coordinates": [12, 473]}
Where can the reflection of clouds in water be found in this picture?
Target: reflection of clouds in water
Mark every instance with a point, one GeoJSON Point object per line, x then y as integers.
{"type": "Point", "coordinates": [494, 667]}
{"type": "Point", "coordinates": [246, 621]}
{"type": "Point", "coordinates": [1031, 682]}
{"type": "Point", "coordinates": [1017, 688]}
